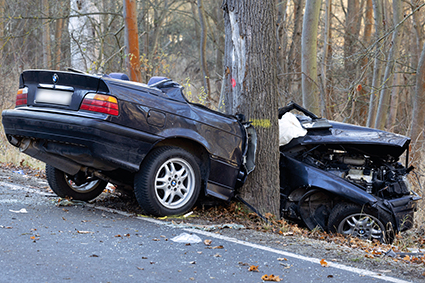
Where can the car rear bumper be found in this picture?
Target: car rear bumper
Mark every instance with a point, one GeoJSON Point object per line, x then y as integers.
{"type": "Point", "coordinates": [93, 142]}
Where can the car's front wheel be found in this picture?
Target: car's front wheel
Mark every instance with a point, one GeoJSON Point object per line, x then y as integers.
{"type": "Point", "coordinates": [65, 186]}
{"type": "Point", "coordinates": [353, 220]}
{"type": "Point", "coordinates": [168, 182]}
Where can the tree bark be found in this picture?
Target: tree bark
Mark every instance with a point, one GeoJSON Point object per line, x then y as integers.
{"type": "Point", "coordinates": [219, 54]}
{"type": "Point", "coordinates": [47, 57]}
{"type": "Point", "coordinates": [132, 40]}
{"type": "Point", "coordinates": [58, 39]}
{"type": "Point", "coordinates": [251, 80]}
{"type": "Point", "coordinates": [352, 28]}
{"type": "Point", "coordinates": [395, 97]}
{"type": "Point", "coordinates": [146, 40]}
{"type": "Point", "coordinates": [202, 49]}
{"type": "Point", "coordinates": [374, 90]}
{"type": "Point", "coordinates": [384, 99]}
{"type": "Point", "coordinates": [327, 109]}
{"type": "Point", "coordinates": [310, 90]}
{"type": "Point", "coordinates": [418, 115]}
{"type": "Point", "coordinates": [294, 58]}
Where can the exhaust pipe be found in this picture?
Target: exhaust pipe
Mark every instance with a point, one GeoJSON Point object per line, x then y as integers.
{"type": "Point", "coordinates": [32, 148]}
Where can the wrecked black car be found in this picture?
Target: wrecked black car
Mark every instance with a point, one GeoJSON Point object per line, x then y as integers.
{"type": "Point", "coordinates": [91, 130]}
{"type": "Point", "coordinates": [344, 178]}
{"type": "Point", "coordinates": [95, 129]}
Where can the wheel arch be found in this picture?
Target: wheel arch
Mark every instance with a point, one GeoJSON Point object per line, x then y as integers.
{"type": "Point", "coordinates": [200, 153]}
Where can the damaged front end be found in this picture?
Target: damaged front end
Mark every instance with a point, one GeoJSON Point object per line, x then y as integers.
{"type": "Point", "coordinates": [345, 178]}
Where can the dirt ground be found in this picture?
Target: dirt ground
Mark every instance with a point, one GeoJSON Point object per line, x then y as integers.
{"type": "Point", "coordinates": [353, 253]}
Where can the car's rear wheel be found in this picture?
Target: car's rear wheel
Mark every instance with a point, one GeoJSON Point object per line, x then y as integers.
{"type": "Point", "coordinates": [168, 182]}
{"type": "Point", "coordinates": [64, 185]}
{"type": "Point", "coordinates": [350, 219]}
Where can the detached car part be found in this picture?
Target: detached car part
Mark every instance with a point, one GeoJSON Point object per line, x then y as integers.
{"type": "Point", "coordinates": [345, 178]}
{"type": "Point", "coordinates": [91, 130]}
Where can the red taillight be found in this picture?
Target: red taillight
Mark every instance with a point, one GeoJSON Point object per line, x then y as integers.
{"type": "Point", "coordinates": [22, 96]}
{"type": "Point", "coordinates": [100, 103]}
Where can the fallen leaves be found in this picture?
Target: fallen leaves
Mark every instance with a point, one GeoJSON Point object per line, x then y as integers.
{"type": "Point", "coordinates": [253, 268]}
{"type": "Point", "coordinates": [271, 277]}
{"type": "Point", "coordinates": [323, 263]}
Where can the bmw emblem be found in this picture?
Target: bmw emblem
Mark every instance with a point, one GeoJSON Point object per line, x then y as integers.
{"type": "Point", "coordinates": [55, 78]}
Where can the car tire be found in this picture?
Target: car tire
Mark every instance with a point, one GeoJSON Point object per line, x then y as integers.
{"type": "Point", "coordinates": [351, 219]}
{"type": "Point", "coordinates": [168, 182]}
{"type": "Point", "coordinates": [63, 186]}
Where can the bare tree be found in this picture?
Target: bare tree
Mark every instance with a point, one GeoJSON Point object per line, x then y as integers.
{"type": "Point", "coordinates": [326, 78]}
{"type": "Point", "coordinates": [310, 88]}
{"type": "Point", "coordinates": [293, 68]}
{"type": "Point", "coordinates": [374, 89]}
{"type": "Point", "coordinates": [384, 99]}
{"type": "Point", "coordinates": [47, 58]}
{"type": "Point", "coordinates": [203, 46]}
{"type": "Point", "coordinates": [418, 115]}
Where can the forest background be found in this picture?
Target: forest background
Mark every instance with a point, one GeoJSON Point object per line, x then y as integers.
{"type": "Point", "coordinates": [367, 66]}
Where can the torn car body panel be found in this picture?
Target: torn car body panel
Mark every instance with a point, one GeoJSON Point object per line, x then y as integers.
{"type": "Point", "coordinates": [340, 163]}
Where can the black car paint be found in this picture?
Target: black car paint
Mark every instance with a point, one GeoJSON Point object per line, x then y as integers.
{"type": "Point", "coordinates": [374, 143]}
{"type": "Point", "coordinates": [148, 117]}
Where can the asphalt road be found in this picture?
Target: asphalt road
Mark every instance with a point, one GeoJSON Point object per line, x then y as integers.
{"type": "Point", "coordinates": [44, 242]}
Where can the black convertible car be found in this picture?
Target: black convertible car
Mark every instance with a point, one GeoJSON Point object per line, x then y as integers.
{"type": "Point", "coordinates": [95, 129]}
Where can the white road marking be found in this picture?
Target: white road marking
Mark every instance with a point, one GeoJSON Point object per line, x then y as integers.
{"type": "Point", "coordinates": [360, 272]}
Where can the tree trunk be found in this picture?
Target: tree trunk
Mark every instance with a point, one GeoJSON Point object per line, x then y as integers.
{"type": "Point", "coordinates": [293, 60]}
{"type": "Point", "coordinates": [418, 115]}
{"type": "Point", "coordinates": [219, 53]}
{"type": "Point", "coordinates": [392, 118]}
{"type": "Point", "coordinates": [202, 49]}
{"type": "Point", "coordinates": [362, 100]}
{"type": "Point", "coordinates": [384, 99]}
{"type": "Point", "coordinates": [282, 35]}
{"type": "Point", "coordinates": [132, 40]}
{"type": "Point", "coordinates": [310, 88]}
{"type": "Point", "coordinates": [374, 90]}
{"type": "Point", "coordinates": [146, 38]}
{"type": "Point", "coordinates": [81, 26]}
{"type": "Point", "coordinates": [47, 57]}
{"type": "Point", "coordinates": [58, 39]}
{"type": "Point", "coordinates": [416, 17]}
{"type": "Point", "coordinates": [352, 21]}
{"type": "Point", "coordinates": [327, 109]}
{"type": "Point", "coordinates": [251, 80]}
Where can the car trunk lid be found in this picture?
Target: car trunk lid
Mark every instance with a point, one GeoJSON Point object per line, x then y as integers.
{"type": "Point", "coordinates": [56, 89]}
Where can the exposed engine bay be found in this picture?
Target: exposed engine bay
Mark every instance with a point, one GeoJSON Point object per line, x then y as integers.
{"type": "Point", "coordinates": [384, 178]}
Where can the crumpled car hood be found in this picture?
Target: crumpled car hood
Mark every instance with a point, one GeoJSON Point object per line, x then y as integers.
{"type": "Point", "coordinates": [369, 141]}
